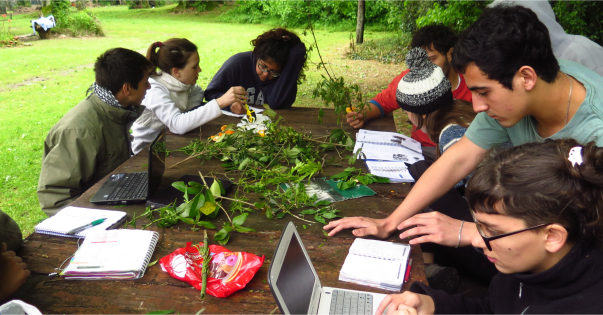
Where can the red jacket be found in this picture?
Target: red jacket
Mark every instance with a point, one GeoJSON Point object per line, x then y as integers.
{"type": "Point", "coordinates": [386, 102]}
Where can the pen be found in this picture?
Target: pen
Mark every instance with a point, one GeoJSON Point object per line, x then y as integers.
{"type": "Point", "coordinates": [407, 277]}
{"type": "Point", "coordinates": [88, 225]}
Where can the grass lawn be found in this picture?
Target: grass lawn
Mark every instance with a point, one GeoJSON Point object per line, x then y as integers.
{"type": "Point", "coordinates": [40, 83]}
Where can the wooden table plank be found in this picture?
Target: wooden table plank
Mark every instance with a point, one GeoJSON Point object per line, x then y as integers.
{"type": "Point", "coordinates": [157, 290]}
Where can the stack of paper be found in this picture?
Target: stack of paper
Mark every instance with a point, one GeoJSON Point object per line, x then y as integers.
{"type": "Point", "coordinates": [73, 217]}
{"type": "Point", "coordinates": [377, 264]}
{"type": "Point", "coordinates": [396, 171]}
{"type": "Point", "coordinates": [113, 255]}
{"type": "Point", "coordinates": [387, 146]}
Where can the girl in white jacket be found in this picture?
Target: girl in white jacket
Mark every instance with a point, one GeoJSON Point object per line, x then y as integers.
{"type": "Point", "coordinates": [174, 99]}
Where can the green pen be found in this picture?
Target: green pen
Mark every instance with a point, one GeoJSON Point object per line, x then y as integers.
{"type": "Point", "coordinates": [83, 227]}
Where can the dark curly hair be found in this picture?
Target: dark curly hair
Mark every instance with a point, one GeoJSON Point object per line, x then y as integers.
{"type": "Point", "coordinates": [274, 45]}
{"type": "Point", "coordinates": [537, 183]}
{"type": "Point", "coordinates": [504, 39]}
{"type": "Point", "coordinates": [442, 37]}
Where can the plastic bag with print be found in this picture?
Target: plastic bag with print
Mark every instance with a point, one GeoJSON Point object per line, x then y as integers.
{"type": "Point", "coordinates": [228, 271]}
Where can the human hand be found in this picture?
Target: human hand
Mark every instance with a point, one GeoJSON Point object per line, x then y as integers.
{"type": "Point", "coordinates": [355, 119]}
{"type": "Point", "coordinates": [438, 228]}
{"type": "Point", "coordinates": [407, 303]}
{"type": "Point", "coordinates": [13, 272]}
{"type": "Point", "coordinates": [238, 109]}
{"type": "Point", "coordinates": [362, 226]}
{"type": "Point", "coordinates": [236, 94]}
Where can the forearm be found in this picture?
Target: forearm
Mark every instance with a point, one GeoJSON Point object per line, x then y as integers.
{"type": "Point", "coordinates": [181, 123]}
{"type": "Point", "coordinates": [456, 163]}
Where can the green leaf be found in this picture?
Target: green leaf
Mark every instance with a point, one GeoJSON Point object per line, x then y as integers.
{"type": "Point", "coordinates": [180, 186]}
{"type": "Point", "coordinates": [223, 234]}
{"type": "Point", "coordinates": [304, 226]}
{"type": "Point", "coordinates": [240, 219]}
{"type": "Point", "coordinates": [194, 188]}
{"type": "Point", "coordinates": [269, 214]}
{"type": "Point", "coordinates": [329, 215]}
{"type": "Point", "coordinates": [280, 215]}
{"type": "Point", "coordinates": [208, 207]}
{"type": "Point", "coordinates": [187, 220]}
{"type": "Point", "coordinates": [308, 211]}
{"type": "Point", "coordinates": [320, 219]}
{"type": "Point", "coordinates": [343, 175]}
{"type": "Point", "coordinates": [323, 203]}
{"type": "Point", "coordinates": [349, 142]}
{"type": "Point", "coordinates": [243, 164]}
{"type": "Point", "coordinates": [321, 113]}
{"type": "Point", "coordinates": [242, 229]}
{"type": "Point", "coordinates": [269, 112]}
{"type": "Point", "coordinates": [153, 263]}
{"type": "Point", "coordinates": [206, 224]}
{"type": "Point", "coordinates": [215, 188]}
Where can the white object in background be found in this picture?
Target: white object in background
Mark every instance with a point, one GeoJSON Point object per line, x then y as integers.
{"type": "Point", "coordinates": [18, 307]}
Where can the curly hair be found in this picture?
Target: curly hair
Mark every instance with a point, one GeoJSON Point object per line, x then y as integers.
{"type": "Point", "coordinates": [274, 45]}
{"type": "Point", "coordinates": [537, 183]}
{"type": "Point", "coordinates": [440, 36]}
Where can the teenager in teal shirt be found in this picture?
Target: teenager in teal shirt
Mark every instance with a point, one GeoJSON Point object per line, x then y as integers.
{"type": "Point", "coordinates": [522, 93]}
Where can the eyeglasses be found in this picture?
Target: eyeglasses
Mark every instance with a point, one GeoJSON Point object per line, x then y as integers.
{"type": "Point", "coordinates": [264, 68]}
{"type": "Point", "coordinates": [488, 239]}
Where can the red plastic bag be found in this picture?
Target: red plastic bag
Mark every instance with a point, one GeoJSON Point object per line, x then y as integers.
{"type": "Point", "coordinates": [228, 271]}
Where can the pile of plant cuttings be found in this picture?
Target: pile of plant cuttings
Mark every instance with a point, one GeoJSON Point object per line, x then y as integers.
{"type": "Point", "coordinates": [261, 161]}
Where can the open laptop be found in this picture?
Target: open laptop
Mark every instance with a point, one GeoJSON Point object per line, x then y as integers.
{"type": "Point", "coordinates": [296, 287]}
{"type": "Point", "coordinates": [127, 188]}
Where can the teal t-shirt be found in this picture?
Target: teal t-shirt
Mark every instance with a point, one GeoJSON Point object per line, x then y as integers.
{"type": "Point", "coordinates": [585, 126]}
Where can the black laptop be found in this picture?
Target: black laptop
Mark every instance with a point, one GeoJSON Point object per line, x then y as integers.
{"type": "Point", "coordinates": [127, 188]}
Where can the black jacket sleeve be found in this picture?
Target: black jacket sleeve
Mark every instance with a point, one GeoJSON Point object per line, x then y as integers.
{"type": "Point", "coordinates": [453, 304]}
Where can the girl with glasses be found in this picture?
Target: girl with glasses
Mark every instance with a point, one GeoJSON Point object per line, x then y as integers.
{"type": "Point", "coordinates": [174, 98]}
{"type": "Point", "coordinates": [538, 211]}
{"type": "Point", "coordinates": [270, 73]}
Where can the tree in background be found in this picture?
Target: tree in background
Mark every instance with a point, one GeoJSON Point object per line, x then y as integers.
{"type": "Point", "coordinates": [457, 15]}
{"type": "Point", "coordinates": [581, 18]}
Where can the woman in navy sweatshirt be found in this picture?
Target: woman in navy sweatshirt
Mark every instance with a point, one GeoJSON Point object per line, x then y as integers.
{"type": "Point", "coordinates": [270, 73]}
{"type": "Point", "coordinates": [539, 212]}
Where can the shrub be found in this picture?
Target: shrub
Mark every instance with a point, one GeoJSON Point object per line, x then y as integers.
{"type": "Point", "coordinates": [340, 15]}
{"type": "Point", "coordinates": [457, 15]}
{"type": "Point", "coordinates": [581, 18]}
{"type": "Point", "coordinates": [197, 5]}
{"type": "Point", "coordinates": [391, 49]}
{"type": "Point", "coordinates": [73, 22]}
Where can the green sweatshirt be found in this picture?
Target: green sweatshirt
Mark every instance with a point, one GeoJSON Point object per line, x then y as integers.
{"type": "Point", "coordinates": [88, 143]}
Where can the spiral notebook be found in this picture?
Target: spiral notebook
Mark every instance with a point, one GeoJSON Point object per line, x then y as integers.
{"type": "Point", "coordinates": [396, 171]}
{"type": "Point", "coordinates": [72, 217]}
{"type": "Point", "coordinates": [112, 255]}
{"type": "Point", "coordinates": [376, 263]}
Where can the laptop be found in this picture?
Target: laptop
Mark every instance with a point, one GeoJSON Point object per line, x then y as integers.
{"type": "Point", "coordinates": [171, 195]}
{"type": "Point", "coordinates": [296, 287]}
{"type": "Point", "coordinates": [128, 188]}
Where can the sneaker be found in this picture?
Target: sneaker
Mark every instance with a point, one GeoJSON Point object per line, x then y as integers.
{"type": "Point", "coordinates": [442, 278]}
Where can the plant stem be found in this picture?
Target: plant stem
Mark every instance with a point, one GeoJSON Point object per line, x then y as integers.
{"type": "Point", "coordinates": [219, 205]}
{"type": "Point", "coordinates": [237, 200]}
{"type": "Point", "coordinates": [316, 44]}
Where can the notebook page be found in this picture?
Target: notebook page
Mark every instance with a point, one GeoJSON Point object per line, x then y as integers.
{"type": "Point", "coordinates": [380, 249]}
{"type": "Point", "coordinates": [72, 217]}
{"type": "Point", "coordinates": [388, 139]}
{"type": "Point", "coordinates": [373, 151]}
{"type": "Point", "coordinates": [111, 251]}
{"type": "Point", "coordinates": [373, 270]}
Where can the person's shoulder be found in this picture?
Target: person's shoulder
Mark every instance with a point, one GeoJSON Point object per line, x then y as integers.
{"type": "Point", "coordinates": [81, 118]}
{"type": "Point", "coordinates": [238, 57]}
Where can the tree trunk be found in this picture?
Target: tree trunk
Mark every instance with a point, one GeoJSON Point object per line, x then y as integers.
{"type": "Point", "coordinates": [360, 22]}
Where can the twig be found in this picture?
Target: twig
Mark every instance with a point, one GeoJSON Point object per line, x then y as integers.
{"type": "Point", "coordinates": [279, 151]}
{"type": "Point", "coordinates": [237, 200]}
{"type": "Point", "coordinates": [219, 205]}
{"type": "Point", "coordinates": [188, 158]}
{"type": "Point", "coordinates": [317, 50]}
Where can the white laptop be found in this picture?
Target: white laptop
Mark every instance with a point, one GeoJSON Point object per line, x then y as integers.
{"type": "Point", "coordinates": [296, 287]}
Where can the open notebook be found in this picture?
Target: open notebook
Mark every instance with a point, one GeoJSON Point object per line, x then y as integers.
{"type": "Point", "coordinates": [376, 263]}
{"type": "Point", "coordinates": [72, 217]}
{"type": "Point", "coordinates": [113, 255]}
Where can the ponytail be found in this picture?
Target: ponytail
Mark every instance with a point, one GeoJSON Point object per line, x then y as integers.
{"type": "Point", "coordinates": [173, 53]}
{"type": "Point", "coordinates": [538, 183]}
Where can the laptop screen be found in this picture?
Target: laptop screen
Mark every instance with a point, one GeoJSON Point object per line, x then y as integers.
{"type": "Point", "coordinates": [296, 279]}
{"type": "Point", "coordinates": [157, 152]}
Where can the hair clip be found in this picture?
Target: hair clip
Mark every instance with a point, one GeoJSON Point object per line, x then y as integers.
{"type": "Point", "coordinates": [158, 44]}
{"type": "Point", "coordinates": [286, 37]}
{"type": "Point", "coordinates": [575, 156]}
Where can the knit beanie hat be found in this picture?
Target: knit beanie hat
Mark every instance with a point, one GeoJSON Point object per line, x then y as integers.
{"type": "Point", "coordinates": [425, 88]}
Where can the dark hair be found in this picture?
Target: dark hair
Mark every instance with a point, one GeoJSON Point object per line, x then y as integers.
{"type": "Point", "coordinates": [440, 36]}
{"type": "Point", "coordinates": [537, 183]}
{"type": "Point", "coordinates": [173, 53]}
{"type": "Point", "coordinates": [504, 39]}
{"type": "Point", "coordinates": [118, 66]}
{"type": "Point", "coordinates": [456, 112]}
{"type": "Point", "coordinates": [274, 46]}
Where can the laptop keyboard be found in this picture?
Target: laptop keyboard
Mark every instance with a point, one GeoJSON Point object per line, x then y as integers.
{"type": "Point", "coordinates": [133, 186]}
{"type": "Point", "coordinates": [346, 302]}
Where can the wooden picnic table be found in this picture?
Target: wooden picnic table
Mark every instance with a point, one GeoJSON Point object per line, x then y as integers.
{"type": "Point", "coordinates": [157, 290]}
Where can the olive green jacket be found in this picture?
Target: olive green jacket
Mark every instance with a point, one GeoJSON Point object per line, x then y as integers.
{"type": "Point", "coordinates": [89, 142]}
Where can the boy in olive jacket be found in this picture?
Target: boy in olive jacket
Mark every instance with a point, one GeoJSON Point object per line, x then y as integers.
{"type": "Point", "coordinates": [92, 139]}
